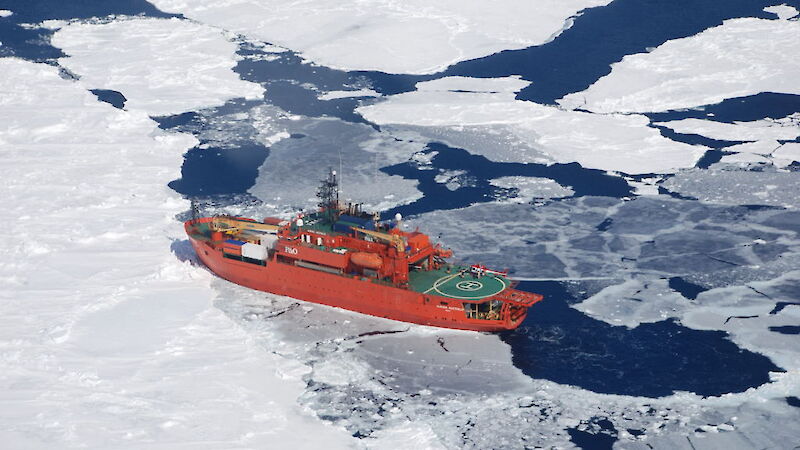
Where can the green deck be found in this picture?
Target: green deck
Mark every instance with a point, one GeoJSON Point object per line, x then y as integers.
{"type": "Point", "coordinates": [457, 285]}
{"type": "Point", "coordinates": [201, 231]}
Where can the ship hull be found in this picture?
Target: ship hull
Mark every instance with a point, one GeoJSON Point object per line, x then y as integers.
{"type": "Point", "coordinates": [349, 292]}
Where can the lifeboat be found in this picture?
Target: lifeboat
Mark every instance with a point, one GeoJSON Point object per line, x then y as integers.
{"type": "Point", "coordinates": [366, 260]}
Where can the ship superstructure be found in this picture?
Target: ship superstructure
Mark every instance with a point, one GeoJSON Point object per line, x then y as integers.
{"type": "Point", "coordinates": [344, 257]}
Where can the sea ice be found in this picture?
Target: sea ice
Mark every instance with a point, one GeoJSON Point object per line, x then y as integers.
{"type": "Point", "coordinates": [447, 388]}
{"type": "Point", "coordinates": [531, 188]}
{"type": "Point", "coordinates": [611, 142]}
{"type": "Point", "coordinates": [5, 13]}
{"type": "Point", "coordinates": [787, 128]}
{"type": "Point", "coordinates": [162, 66]}
{"type": "Point", "coordinates": [744, 159]}
{"type": "Point", "coordinates": [738, 187]}
{"type": "Point", "coordinates": [333, 95]}
{"type": "Point", "coordinates": [783, 11]}
{"type": "Point", "coordinates": [412, 36]}
{"type": "Point", "coordinates": [740, 57]}
{"type": "Point", "coordinates": [110, 337]}
{"type": "Point", "coordinates": [356, 151]}
{"type": "Point", "coordinates": [788, 152]}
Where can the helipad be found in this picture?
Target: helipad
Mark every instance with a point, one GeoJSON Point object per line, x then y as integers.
{"type": "Point", "coordinates": [462, 286]}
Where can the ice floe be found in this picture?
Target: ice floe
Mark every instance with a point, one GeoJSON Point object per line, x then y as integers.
{"type": "Point", "coordinates": [529, 132]}
{"type": "Point", "coordinates": [787, 128]}
{"type": "Point", "coordinates": [735, 187]}
{"type": "Point", "coordinates": [783, 11]}
{"type": "Point", "coordinates": [531, 188]}
{"type": "Point", "coordinates": [109, 335]}
{"type": "Point", "coordinates": [162, 66]}
{"type": "Point", "coordinates": [788, 152]}
{"type": "Point", "coordinates": [740, 57]}
{"type": "Point", "coordinates": [333, 95]}
{"type": "Point", "coordinates": [413, 36]}
{"type": "Point", "coordinates": [5, 13]}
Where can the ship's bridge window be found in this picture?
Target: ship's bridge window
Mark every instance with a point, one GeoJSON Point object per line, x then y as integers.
{"type": "Point", "coordinates": [488, 310]}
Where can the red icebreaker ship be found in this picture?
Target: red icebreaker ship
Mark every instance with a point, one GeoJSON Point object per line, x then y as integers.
{"type": "Point", "coordinates": [342, 257]}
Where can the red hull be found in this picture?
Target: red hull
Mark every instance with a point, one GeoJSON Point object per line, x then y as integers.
{"type": "Point", "coordinates": [349, 292]}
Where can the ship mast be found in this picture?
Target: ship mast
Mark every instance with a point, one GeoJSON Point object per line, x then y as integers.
{"type": "Point", "coordinates": [328, 194]}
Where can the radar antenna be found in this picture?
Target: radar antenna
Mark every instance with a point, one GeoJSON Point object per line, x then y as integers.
{"type": "Point", "coordinates": [328, 194]}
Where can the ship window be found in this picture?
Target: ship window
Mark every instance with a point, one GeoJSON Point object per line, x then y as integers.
{"type": "Point", "coordinates": [484, 311]}
{"type": "Point", "coordinates": [444, 303]}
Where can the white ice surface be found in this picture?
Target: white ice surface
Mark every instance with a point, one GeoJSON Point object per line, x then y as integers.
{"type": "Point", "coordinates": [467, 84]}
{"type": "Point", "coordinates": [788, 152]}
{"type": "Point", "coordinates": [783, 11]}
{"type": "Point", "coordinates": [738, 58]}
{"type": "Point", "coordinates": [531, 188]}
{"type": "Point", "coordinates": [5, 13]}
{"type": "Point", "coordinates": [332, 95]}
{"type": "Point", "coordinates": [738, 187]}
{"type": "Point", "coordinates": [764, 147]}
{"type": "Point", "coordinates": [744, 158]}
{"type": "Point", "coordinates": [412, 36]}
{"type": "Point", "coordinates": [610, 142]}
{"type": "Point", "coordinates": [109, 337]}
{"type": "Point", "coordinates": [787, 128]}
{"type": "Point", "coordinates": [162, 66]}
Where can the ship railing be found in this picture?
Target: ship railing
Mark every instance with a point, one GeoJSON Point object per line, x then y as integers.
{"type": "Point", "coordinates": [517, 298]}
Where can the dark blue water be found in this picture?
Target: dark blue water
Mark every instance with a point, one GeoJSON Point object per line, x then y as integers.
{"type": "Point", "coordinates": [210, 170]}
{"type": "Point", "coordinates": [218, 171]}
{"type": "Point", "coordinates": [601, 435]}
{"type": "Point", "coordinates": [481, 170]}
{"type": "Point", "coordinates": [561, 344]}
{"type": "Point", "coordinates": [288, 80]}
{"type": "Point", "coordinates": [786, 329]}
{"type": "Point", "coordinates": [687, 289]}
{"type": "Point", "coordinates": [113, 98]}
{"type": "Point", "coordinates": [766, 105]}
{"type": "Point", "coordinates": [602, 36]}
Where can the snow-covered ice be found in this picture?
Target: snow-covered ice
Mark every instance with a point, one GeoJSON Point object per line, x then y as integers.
{"type": "Point", "coordinates": [783, 11]}
{"type": "Point", "coordinates": [5, 13]}
{"type": "Point", "coordinates": [333, 95]}
{"type": "Point", "coordinates": [109, 335]}
{"type": "Point", "coordinates": [611, 142]}
{"type": "Point", "coordinates": [738, 58]}
{"type": "Point", "coordinates": [412, 36]}
{"type": "Point", "coordinates": [162, 66]}
{"type": "Point", "coordinates": [787, 128]}
{"type": "Point", "coordinates": [788, 152]}
{"type": "Point", "coordinates": [765, 139]}
{"type": "Point", "coordinates": [467, 84]}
